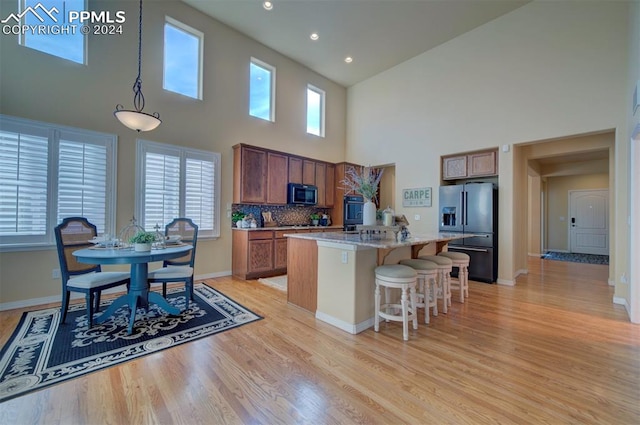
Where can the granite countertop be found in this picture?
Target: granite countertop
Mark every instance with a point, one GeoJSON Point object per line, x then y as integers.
{"type": "Point", "coordinates": [354, 238]}
{"type": "Point", "coordinates": [250, 229]}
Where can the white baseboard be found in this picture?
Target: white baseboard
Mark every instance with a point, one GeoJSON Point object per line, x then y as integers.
{"type": "Point", "coordinates": [621, 301]}
{"type": "Point", "coordinates": [535, 254]}
{"type": "Point", "coordinates": [611, 282]}
{"type": "Point", "coordinates": [212, 275]}
{"type": "Point", "coordinates": [347, 327]}
{"type": "Point", "coordinates": [77, 295]}
{"type": "Point", "coordinates": [506, 282]}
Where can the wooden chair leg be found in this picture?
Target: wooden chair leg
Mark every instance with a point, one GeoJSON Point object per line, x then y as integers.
{"type": "Point", "coordinates": [414, 308]}
{"type": "Point", "coordinates": [405, 314]}
{"type": "Point", "coordinates": [376, 323]}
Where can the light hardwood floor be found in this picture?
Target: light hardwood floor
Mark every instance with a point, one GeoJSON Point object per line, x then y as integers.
{"type": "Point", "coordinates": [553, 350]}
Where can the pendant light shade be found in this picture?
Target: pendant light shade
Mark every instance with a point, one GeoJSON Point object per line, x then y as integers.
{"type": "Point", "coordinates": [136, 119]}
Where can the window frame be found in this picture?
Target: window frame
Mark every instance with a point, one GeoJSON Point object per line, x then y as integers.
{"type": "Point", "coordinates": [323, 95]}
{"type": "Point", "coordinates": [144, 146]}
{"type": "Point", "coordinates": [272, 84]}
{"type": "Point", "coordinates": [22, 38]}
{"type": "Point", "coordinates": [55, 133]}
{"type": "Point", "coordinates": [168, 20]}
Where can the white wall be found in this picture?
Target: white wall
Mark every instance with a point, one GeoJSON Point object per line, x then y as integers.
{"type": "Point", "coordinates": [544, 71]}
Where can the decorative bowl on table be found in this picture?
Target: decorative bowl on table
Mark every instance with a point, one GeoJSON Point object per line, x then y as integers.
{"type": "Point", "coordinates": [173, 239]}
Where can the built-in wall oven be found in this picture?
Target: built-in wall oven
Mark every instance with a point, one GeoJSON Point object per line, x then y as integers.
{"type": "Point", "coordinates": [352, 212]}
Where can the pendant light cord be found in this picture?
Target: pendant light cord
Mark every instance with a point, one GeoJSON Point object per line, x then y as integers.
{"type": "Point", "coordinates": [138, 97]}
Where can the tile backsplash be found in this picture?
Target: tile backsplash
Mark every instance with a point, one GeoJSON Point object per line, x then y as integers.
{"type": "Point", "coordinates": [284, 215]}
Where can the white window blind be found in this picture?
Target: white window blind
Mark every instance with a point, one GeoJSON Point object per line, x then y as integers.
{"type": "Point", "coordinates": [199, 201]}
{"type": "Point", "coordinates": [23, 184]}
{"type": "Point", "coordinates": [161, 189]}
{"type": "Point", "coordinates": [177, 182]}
{"type": "Point", "coordinates": [49, 172]}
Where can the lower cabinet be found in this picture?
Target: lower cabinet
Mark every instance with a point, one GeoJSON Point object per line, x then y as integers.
{"type": "Point", "coordinates": [263, 253]}
{"type": "Point", "coordinates": [258, 254]}
{"type": "Point", "coordinates": [280, 253]}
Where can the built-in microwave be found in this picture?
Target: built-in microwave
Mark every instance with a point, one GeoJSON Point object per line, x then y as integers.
{"type": "Point", "coordinates": [302, 194]}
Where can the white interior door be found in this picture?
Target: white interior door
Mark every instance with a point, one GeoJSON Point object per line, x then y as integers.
{"type": "Point", "coordinates": [589, 224]}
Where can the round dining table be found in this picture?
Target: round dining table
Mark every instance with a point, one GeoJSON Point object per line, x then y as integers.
{"type": "Point", "coordinates": [138, 294]}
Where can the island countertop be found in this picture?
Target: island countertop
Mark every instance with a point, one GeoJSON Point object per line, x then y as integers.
{"type": "Point", "coordinates": [354, 238]}
{"type": "Point", "coordinates": [294, 227]}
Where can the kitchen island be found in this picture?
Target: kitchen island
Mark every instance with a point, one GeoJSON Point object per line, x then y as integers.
{"type": "Point", "coordinates": [332, 274]}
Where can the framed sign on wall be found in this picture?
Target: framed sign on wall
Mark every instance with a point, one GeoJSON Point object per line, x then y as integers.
{"type": "Point", "coordinates": [418, 197]}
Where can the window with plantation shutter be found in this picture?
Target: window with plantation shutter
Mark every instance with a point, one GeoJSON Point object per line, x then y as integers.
{"type": "Point", "coordinates": [49, 172]}
{"type": "Point", "coordinates": [172, 181]}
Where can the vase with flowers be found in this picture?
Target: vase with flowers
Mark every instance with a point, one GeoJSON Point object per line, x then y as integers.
{"type": "Point", "coordinates": [364, 181]}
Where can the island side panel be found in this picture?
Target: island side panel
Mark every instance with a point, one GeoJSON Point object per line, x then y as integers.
{"type": "Point", "coordinates": [345, 289]}
{"type": "Point", "coordinates": [302, 273]}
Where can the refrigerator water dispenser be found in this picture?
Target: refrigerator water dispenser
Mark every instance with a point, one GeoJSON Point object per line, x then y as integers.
{"type": "Point", "coordinates": [449, 216]}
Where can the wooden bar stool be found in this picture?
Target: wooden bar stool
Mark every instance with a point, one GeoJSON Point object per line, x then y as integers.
{"type": "Point", "coordinates": [399, 277]}
{"type": "Point", "coordinates": [445, 265]}
{"type": "Point", "coordinates": [461, 261]}
{"type": "Point", "coordinates": [427, 291]}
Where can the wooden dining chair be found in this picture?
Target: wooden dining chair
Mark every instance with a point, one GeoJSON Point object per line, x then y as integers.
{"type": "Point", "coordinates": [179, 269]}
{"type": "Point", "coordinates": [72, 234]}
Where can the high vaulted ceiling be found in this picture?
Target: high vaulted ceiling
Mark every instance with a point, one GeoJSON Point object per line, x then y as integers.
{"type": "Point", "coordinates": [378, 34]}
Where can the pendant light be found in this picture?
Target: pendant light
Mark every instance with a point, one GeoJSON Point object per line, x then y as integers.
{"type": "Point", "coordinates": [136, 119]}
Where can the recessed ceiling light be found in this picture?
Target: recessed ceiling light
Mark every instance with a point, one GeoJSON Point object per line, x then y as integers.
{"type": "Point", "coordinates": [348, 59]}
{"type": "Point", "coordinates": [314, 36]}
{"type": "Point", "coordinates": [267, 5]}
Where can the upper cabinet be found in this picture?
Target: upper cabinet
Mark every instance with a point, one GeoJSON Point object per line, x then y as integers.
{"type": "Point", "coordinates": [260, 176]}
{"type": "Point", "coordinates": [249, 175]}
{"type": "Point", "coordinates": [295, 170]}
{"type": "Point", "coordinates": [277, 175]}
{"type": "Point", "coordinates": [308, 172]}
{"type": "Point", "coordinates": [476, 164]}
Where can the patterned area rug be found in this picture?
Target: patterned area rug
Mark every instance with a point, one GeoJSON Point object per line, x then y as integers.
{"type": "Point", "coordinates": [43, 352]}
{"type": "Point", "coordinates": [576, 258]}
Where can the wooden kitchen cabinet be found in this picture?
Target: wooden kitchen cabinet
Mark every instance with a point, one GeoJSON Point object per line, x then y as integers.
{"type": "Point", "coordinates": [330, 186]}
{"type": "Point", "coordinates": [308, 172]}
{"type": "Point", "coordinates": [259, 253]}
{"type": "Point", "coordinates": [483, 164]}
{"type": "Point", "coordinates": [320, 178]}
{"type": "Point", "coordinates": [260, 256]}
{"type": "Point", "coordinates": [476, 164]}
{"type": "Point", "coordinates": [249, 175]}
{"type": "Point", "coordinates": [280, 255]}
{"type": "Point", "coordinates": [295, 170]}
{"type": "Point", "coordinates": [260, 176]}
{"type": "Point", "coordinates": [277, 176]}
{"type": "Point", "coordinates": [454, 167]}
{"type": "Point", "coordinates": [252, 254]}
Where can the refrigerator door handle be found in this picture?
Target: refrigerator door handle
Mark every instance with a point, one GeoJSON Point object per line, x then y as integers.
{"type": "Point", "coordinates": [463, 208]}
{"type": "Point", "coordinates": [459, 248]}
{"type": "Point", "coordinates": [466, 210]}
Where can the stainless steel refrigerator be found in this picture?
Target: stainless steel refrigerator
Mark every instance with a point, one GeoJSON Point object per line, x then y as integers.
{"type": "Point", "coordinates": [473, 208]}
